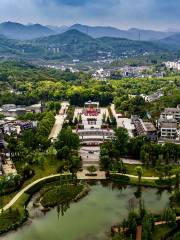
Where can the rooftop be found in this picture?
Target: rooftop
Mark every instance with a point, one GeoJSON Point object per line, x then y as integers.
{"type": "Point", "coordinates": [169, 125]}
{"type": "Point", "coordinates": [149, 127]}
{"type": "Point", "coordinates": [171, 110]}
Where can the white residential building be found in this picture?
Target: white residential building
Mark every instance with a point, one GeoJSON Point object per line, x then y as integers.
{"type": "Point", "coordinates": [168, 128]}
{"type": "Point", "coordinates": [173, 65]}
{"type": "Point", "coordinates": [171, 113]}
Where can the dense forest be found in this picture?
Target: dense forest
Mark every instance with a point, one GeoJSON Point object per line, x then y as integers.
{"type": "Point", "coordinates": [25, 84]}
{"type": "Point", "coordinates": [77, 45]}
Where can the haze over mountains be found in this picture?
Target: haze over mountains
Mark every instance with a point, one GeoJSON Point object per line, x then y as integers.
{"type": "Point", "coordinates": [172, 41]}
{"type": "Point", "coordinates": [23, 32]}
{"type": "Point", "coordinates": [74, 44]}
{"type": "Point", "coordinates": [82, 42]}
{"type": "Point", "coordinates": [133, 33]}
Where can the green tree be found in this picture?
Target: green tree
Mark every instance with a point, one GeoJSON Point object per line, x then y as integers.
{"type": "Point", "coordinates": [57, 106]}
{"type": "Point", "coordinates": [75, 163]}
{"type": "Point", "coordinates": [27, 171]}
{"type": "Point", "coordinates": [67, 138]}
{"type": "Point", "coordinates": [92, 169]}
{"type": "Point", "coordinates": [147, 228]}
{"type": "Point", "coordinates": [139, 172]}
{"type": "Point", "coordinates": [105, 162]}
{"type": "Point", "coordinates": [29, 139]}
{"type": "Point", "coordinates": [64, 153]}
{"type": "Point", "coordinates": [122, 140]}
{"type": "Point", "coordinates": [177, 180]}
{"type": "Point", "coordinates": [169, 216]}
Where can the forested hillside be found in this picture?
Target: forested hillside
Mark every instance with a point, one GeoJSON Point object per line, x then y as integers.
{"type": "Point", "coordinates": [77, 45]}
{"type": "Point", "coordinates": [24, 84]}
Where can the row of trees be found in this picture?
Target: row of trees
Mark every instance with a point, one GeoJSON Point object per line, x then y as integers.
{"type": "Point", "coordinates": [67, 146]}
{"type": "Point", "coordinates": [138, 148]}
{"type": "Point", "coordinates": [146, 221]}
{"type": "Point", "coordinates": [29, 147]}
{"type": "Point", "coordinates": [131, 106]}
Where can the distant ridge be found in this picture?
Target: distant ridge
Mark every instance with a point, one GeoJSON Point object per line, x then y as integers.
{"type": "Point", "coordinates": [172, 41]}
{"type": "Point", "coordinates": [133, 33]}
{"type": "Point", "coordinates": [19, 31]}
{"type": "Point", "coordinates": [24, 32]}
{"type": "Point", "coordinates": [74, 44]}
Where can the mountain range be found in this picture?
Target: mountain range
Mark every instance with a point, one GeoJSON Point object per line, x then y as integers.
{"type": "Point", "coordinates": [172, 41]}
{"type": "Point", "coordinates": [133, 33]}
{"type": "Point", "coordinates": [25, 32]}
{"type": "Point", "coordinates": [82, 42]}
{"type": "Point", "coordinates": [74, 44]}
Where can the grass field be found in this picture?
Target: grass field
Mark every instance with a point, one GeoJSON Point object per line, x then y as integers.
{"type": "Point", "coordinates": [48, 168]}
{"type": "Point", "coordinates": [15, 216]}
{"type": "Point", "coordinates": [147, 172]}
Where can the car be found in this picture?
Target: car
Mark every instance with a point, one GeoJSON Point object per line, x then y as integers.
{"type": "Point", "coordinates": [91, 152]}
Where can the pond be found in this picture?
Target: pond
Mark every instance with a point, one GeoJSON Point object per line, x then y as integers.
{"type": "Point", "coordinates": [92, 217]}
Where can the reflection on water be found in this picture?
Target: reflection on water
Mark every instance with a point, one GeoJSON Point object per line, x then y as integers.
{"type": "Point", "coordinates": [62, 208]}
{"type": "Point", "coordinates": [91, 218]}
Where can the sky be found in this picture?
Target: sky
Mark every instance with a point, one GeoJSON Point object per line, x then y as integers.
{"type": "Point", "coordinates": [146, 14]}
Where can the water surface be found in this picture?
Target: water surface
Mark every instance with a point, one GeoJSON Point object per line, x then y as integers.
{"type": "Point", "coordinates": [92, 217]}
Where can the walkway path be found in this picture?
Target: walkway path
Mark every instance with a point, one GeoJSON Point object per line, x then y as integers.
{"type": "Point", "coordinates": [131, 161]}
{"type": "Point", "coordinates": [60, 118]}
{"type": "Point", "coordinates": [90, 156]}
{"type": "Point", "coordinates": [164, 222]}
{"type": "Point", "coordinates": [19, 194]}
{"type": "Point", "coordinates": [145, 178]}
{"type": "Point", "coordinates": [135, 176]}
{"type": "Point", "coordinates": [80, 175]}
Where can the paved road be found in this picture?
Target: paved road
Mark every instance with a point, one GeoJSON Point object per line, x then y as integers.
{"type": "Point", "coordinates": [19, 194]}
{"type": "Point", "coordinates": [57, 126]}
{"type": "Point", "coordinates": [131, 161]}
{"type": "Point", "coordinates": [164, 222]}
{"type": "Point", "coordinates": [60, 118]}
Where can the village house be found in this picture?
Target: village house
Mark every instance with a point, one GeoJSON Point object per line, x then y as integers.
{"type": "Point", "coordinates": [144, 128]}
{"type": "Point", "coordinates": [171, 113]}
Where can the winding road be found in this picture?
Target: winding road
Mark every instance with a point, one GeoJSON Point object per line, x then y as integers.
{"type": "Point", "coordinates": [20, 193]}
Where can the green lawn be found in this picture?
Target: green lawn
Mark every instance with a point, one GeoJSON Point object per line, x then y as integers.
{"type": "Point", "coordinates": [147, 172]}
{"type": "Point", "coordinates": [49, 168]}
{"type": "Point", "coordinates": [15, 216]}
{"type": "Point", "coordinates": [176, 169]}
{"type": "Point", "coordinates": [147, 182]}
